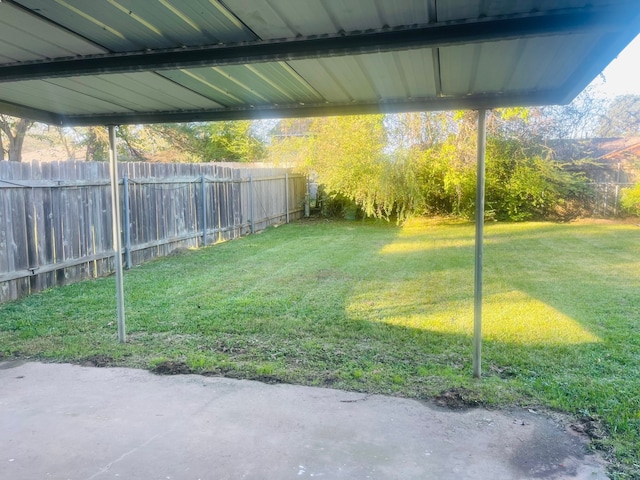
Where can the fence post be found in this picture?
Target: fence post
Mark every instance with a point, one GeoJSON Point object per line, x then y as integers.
{"type": "Point", "coordinates": [203, 189]}
{"type": "Point", "coordinates": [253, 228]}
{"type": "Point", "coordinates": [127, 221]}
{"type": "Point", "coordinates": [307, 199]}
{"type": "Point", "coordinates": [286, 194]}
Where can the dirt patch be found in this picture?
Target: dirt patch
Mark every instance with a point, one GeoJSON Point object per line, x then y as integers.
{"type": "Point", "coordinates": [171, 368]}
{"type": "Point", "coordinates": [502, 372]}
{"type": "Point", "coordinates": [457, 398]}
{"type": "Point", "coordinates": [97, 361]}
{"type": "Point", "coordinates": [590, 427]}
{"type": "Point", "coordinates": [328, 274]}
{"type": "Point", "coordinates": [269, 379]}
{"type": "Point", "coordinates": [178, 251]}
{"type": "Point", "coordinates": [551, 453]}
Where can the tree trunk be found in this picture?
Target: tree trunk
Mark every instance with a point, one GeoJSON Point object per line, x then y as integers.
{"type": "Point", "coordinates": [15, 144]}
{"type": "Point", "coordinates": [1, 148]}
{"type": "Point", "coordinates": [16, 138]}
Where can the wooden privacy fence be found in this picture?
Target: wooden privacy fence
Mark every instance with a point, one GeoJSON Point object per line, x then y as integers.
{"type": "Point", "coordinates": [56, 225]}
{"type": "Point", "coordinates": [606, 198]}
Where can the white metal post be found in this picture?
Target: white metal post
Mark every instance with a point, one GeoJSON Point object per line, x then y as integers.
{"type": "Point", "coordinates": [477, 300]}
{"type": "Point", "coordinates": [117, 241]}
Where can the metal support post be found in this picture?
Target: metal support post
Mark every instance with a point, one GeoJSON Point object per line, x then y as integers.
{"type": "Point", "coordinates": [477, 303]}
{"type": "Point", "coordinates": [127, 221]}
{"type": "Point", "coordinates": [117, 241]}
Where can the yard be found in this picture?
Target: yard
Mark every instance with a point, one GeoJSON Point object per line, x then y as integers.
{"type": "Point", "coordinates": [377, 308]}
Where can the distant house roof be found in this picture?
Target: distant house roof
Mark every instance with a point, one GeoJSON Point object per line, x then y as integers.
{"type": "Point", "coordinates": [623, 148]}
{"type": "Point", "coordinates": [602, 159]}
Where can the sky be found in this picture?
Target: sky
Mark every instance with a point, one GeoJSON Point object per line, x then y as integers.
{"type": "Point", "coordinates": [622, 76]}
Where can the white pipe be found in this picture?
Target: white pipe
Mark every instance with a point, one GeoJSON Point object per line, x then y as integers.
{"type": "Point", "coordinates": [477, 300]}
{"type": "Point", "coordinates": [117, 240]}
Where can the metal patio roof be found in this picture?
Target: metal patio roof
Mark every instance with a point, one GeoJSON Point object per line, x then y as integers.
{"type": "Point", "coordinates": [141, 61]}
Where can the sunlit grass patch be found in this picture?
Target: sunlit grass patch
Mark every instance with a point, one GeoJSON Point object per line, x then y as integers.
{"type": "Point", "coordinates": [511, 317]}
{"type": "Point", "coordinates": [424, 234]}
{"type": "Point", "coordinates": [519, 318]}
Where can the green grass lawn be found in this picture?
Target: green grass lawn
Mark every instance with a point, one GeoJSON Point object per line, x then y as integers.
{"type": "Point", "coordinates": [378, 308]}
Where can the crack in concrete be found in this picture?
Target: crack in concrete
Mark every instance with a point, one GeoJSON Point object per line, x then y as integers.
{"type": "Point", "coordinates": [122, 457]}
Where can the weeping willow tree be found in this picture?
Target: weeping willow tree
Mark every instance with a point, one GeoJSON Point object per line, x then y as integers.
{"type": "Point", "coordinates": [345, 155]}
{"type": "Point", "coordinates": [424, 163]}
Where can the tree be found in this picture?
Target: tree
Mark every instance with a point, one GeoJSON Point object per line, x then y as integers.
{"type": "Point", "coordinates": [579, 119]}
{"type": "Point", "coordinates": [425, 163]}
{"type": "Point", "coordinates": [346, 156]}
{"type": "Point", "coordinates": [232, 141]}
{"type": "Point", "coordinates": [14, 129]}
{"type": "Point", "coordinates": [622, 118]}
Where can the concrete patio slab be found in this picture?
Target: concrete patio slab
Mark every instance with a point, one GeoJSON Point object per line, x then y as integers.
{"type": "Point", "coordinates": [60, 421]}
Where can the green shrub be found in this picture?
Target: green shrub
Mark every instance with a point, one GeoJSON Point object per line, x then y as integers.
{"type": "Point", "coordinates": [630, 200]}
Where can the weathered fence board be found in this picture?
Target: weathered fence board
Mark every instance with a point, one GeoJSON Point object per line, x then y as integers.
{"type": "Point", "coordinates": [55, 218]}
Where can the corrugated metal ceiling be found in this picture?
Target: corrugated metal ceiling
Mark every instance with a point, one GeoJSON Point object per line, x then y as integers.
{"type": "Point", "coordinates": [133, 61]}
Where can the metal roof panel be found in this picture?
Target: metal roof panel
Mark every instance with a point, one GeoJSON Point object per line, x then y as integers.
{"type": "Point", "coordinates": [350, 76]}
{"type": "Point", "coordinates": [231, 80]}
{"type": "Point", "coordinates": [321, 80]}
{"type": "Point", "coordinates": [45, 95]}
{"type": "Point", "coordinates": [418, 69]}
{"type": "Point", "coordinates": [370, 77]}
{"type": "Point", "coordinates": [285, 19]}
{"type": "Point", "coordinates": [512, 65]}
{"type": "Point", "coordinates": [401, 74]}
{"type": "Point", "coordinates": [560, 62]}
{"type": "Point", "coordinates": [138, 91]}
{"type": "Point", "coordinates": [25, 37]}
{"type": "Point", "coordinates": [279, 80]}
{"type": "Point", "coordinates": [452, 10]}
{"type": "Point", "coordinates": [200, 82]}
{"type": "Point", "coordinates": [124, 25]}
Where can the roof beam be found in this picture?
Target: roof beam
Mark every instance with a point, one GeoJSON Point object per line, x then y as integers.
{"type": "Point", "coordinates": [465, 102]}
{"type": "Point", "coordinates": [432, 35]}
{"type": "Point", "coordinates": [8, 108]}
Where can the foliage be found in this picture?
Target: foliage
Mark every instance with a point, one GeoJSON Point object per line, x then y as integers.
{"type": "Point", "coordinates": [96, 142]}
{"type": "Point", "coordinates": [195, 142]}
{"type": "Point", "coordinates": [579, 119]}
{"type": "Point", "coordinates": [522, 185]}
{"type": "Point", "coordinates": [425, 163]}
{"type": "Point", "coordinates": [380, 309]}
{"type": "Point", "coordinates": [630, 200]}
{"type": "Point", "coordinates": [622, 118]}
{"type": "Point", "coordinates": [346, 155]}
{"type": "Point", "coordinates": [213, 142]}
